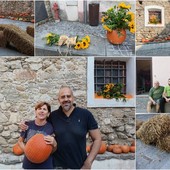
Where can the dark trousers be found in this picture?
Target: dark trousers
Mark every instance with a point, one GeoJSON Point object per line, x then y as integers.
{"type": "Point", "coordinates": [162, 105]}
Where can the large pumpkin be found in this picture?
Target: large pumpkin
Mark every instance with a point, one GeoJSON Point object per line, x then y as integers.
{"type": "Point", "coordinates": [17, 150]}
{"type": "Point", "coordinates": [36, 150]}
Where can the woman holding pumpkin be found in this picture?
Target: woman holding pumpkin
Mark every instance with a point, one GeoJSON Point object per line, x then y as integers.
{"type": "Point", "coordinates": [38, 126]}
{"type": "Point", "coordinates": [71, 125]}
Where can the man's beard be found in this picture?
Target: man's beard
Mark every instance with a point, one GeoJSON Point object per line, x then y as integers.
{"type": "Point", "coordinates": [67, 106]}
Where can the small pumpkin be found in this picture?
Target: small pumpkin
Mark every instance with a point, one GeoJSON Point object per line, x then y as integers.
{"type": "Point", "coordinates": [132, 149]}
{"type": "Point", "coordinates": [110, 148]}
{"type": "Point", "coordinates": [17, 150]}
{"type": "Point", "coordinates": [125, 148]}
{"type": "Point", "coordinates": [103, 148]}
{"type": "Point", "coordinates": [36, 149]}
{"type": "Point", "coordinates": [117, 150]}
{"type": "Point", "coordinates": [88, 147]}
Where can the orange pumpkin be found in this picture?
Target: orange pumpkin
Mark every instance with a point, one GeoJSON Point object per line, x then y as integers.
{"type": "Point", "coordinates": [88, 147]}
{"type": "Point", "coordinates": [110, 148]}
{"type": "Point", "coordinates": [36, 150]}
{"type": "Point", "coordinates": [132, 149]}
{"type": "Point", "coordinates": [125, 148]}
{"type": "Point", "coordinates": [103, 148]}
{"type": "Point", "coordinates": [117, 150]}
{"type": "Point", "coordinates": [17, 150]}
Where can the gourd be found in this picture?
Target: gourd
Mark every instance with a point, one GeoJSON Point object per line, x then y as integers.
{"type": "Point", "coordinates": [17, 150]}
{"type": "Point", "coordinates": [103, 148]}
{"type": "Point", "coordinates": [36, 149]}
{"type": "Point", "coordinates": [125, 148]}
{"type": "Point", "coordinates": [117, 150]}
{"type": "Point", "coordinates": [132, 148]}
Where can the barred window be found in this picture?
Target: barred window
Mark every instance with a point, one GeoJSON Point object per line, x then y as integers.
{"type": "Point", "coordinates": [109, 71]}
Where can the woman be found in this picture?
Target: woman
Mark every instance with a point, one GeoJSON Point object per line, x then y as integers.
{"type": "Point", "coordinates": [40, 126]}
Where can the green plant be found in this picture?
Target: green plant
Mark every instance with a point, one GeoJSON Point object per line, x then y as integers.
{"type": "Point", "coordinates": [111, 90]}
{"type": "Point", "coordinates": [119, 17]}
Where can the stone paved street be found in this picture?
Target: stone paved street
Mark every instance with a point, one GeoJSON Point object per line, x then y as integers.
{"type": "Point", "coordinates": [141, 103]}
{"type": "Point", "coordinates": [155, 49]}
{"type": "Point", "coordinates": [99, 45]}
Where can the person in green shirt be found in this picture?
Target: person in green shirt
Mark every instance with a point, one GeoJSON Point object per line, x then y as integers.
{"type": "Point", "coordinates": [155, 95]}
{"type": "Point", "coordinates": [165, 97]}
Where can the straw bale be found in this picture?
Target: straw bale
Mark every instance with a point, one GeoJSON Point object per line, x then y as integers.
{"type": "Point", "coordinates": [30, 30]}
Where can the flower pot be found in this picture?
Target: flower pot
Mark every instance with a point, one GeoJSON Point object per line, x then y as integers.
{"type": "Point", "coordinates": [116, 37]}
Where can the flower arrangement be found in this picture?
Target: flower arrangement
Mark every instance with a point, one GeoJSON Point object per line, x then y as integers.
{"type": "Point", "coordinates": [52, 38]}
{"type": "Point", "coordinates": [59, 40]}
{"type": "Point", "coordinates": [83, 43]}
{"type": "Point", "coordinates": [153, 19]}
{"type": "Point", "coordinates": [119, 17]}
{"type": "Point", "coordinates": [112, 90]}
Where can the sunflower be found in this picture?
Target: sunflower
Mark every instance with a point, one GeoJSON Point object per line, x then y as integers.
{"type": "Point", "coordinates": [78, 46]}
{"type": "Point", "coordinates": [49, 35]}
{"type": "Point", "coordinates": [48, 41]}
{"type": "Point", "coordinates": [84, 44]}
{"type": "Point", "coordinates": [87, 38]}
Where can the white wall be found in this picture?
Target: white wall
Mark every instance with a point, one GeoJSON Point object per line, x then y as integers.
{"type": "Point", "coordinates": [161, 69]}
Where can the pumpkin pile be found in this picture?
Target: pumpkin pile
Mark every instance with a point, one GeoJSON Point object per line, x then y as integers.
{"type": "Point", "coordinates": [118, 149]}
{"type": "Point", "coordinates": [102, 149]}
{"type": "Point", "coordinates": [114, 148]}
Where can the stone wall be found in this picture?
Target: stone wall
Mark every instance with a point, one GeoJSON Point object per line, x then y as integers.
{"type": "Point", "coordinates": [27, 80]}
{"type": "Point", "coordinates": [152, 33]}
{"type": "Point", "coordinates": [17, 10]}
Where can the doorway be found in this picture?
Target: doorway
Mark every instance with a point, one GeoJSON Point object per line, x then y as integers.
{"type": "Point", "coordinates": [143, 75]}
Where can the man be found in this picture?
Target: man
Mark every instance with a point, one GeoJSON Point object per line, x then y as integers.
{"type": "Point", "coordinates": [155, 95]}
{"type": "Point", "coordinates": [71, 124]}
{"type": "Point", "coordinates": [165, 97]}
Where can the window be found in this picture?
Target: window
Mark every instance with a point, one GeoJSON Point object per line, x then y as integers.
{"type": "Point", "coordinates": [109, 72]}
{"type": "Point", "coordinates": [101, 71]}
{"type": "Point", "coordinates": [154, 16]}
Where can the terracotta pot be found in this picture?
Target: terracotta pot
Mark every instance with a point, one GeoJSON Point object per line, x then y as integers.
{"type": "Point", "coordinates": [116, 37]}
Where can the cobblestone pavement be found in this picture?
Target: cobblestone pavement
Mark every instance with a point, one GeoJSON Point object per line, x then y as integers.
{"type": "Point", "coordinates": [141, 103]}
{"type": "Point", "coordinates": [22, 25]}
{"type": "Point", "coordinates": [99, 44]}
{"type": "Point", "coordinates": [155, 49]}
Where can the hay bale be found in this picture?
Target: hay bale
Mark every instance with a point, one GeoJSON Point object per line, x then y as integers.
{"type": "Point", "coordinates": [163, 143]}
{"type": "Point", "coordinates": [3, 41]}
{"type": "Point", "coordinates": [139, 123]}
{"type": "Point", "coordinates": [154, 128]}
{"type": "Point", "coordinates": [30, 30]}
{"type": "Point", "coordinates": [23, 42]}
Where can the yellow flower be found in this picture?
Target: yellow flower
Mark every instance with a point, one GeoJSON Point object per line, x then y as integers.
{"type": "Point", "coordinates": [87, 38]}
{"type": "Point", "coordinates": [49, 35]}
{"type": "Point", "coordinates": [102, 19]}
{"type": "Point", "coordinates": [106, 90]}
{"type": "Point", "coordinates": [132, 15]}
{"type": "Point", "coordinates": [132, 26]}
{"type": "Point", "coordinates": [78, 46]}
{"type": "Point", "coordinates": [108, 96]}
{"type": "Point", "coordinates": [48, 41]}
{"type": "Point", "coordinates": [123, 5]}
{"type": "Point", "coordinates": [84, 44]}
{"type": "Point", "coordinates": [132, 30]}
{"type": "Point", "coordinates": [107, 28]}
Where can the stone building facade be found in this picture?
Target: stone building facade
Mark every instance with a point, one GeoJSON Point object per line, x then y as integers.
{"type": "Point", "coordinates": [153, 32]}
{"type": "Point", "coordinates": [27, 80]}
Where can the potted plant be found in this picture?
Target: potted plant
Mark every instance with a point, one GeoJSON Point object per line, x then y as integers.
{"type": "Point", "coordinates": [111, 90]}
{"type": "Point", "coordinates": [116, 20]}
